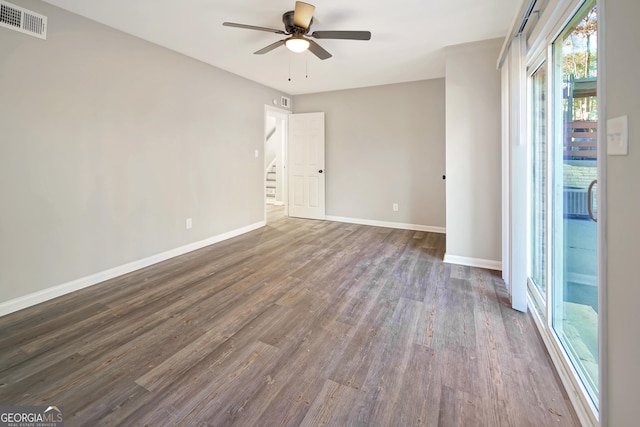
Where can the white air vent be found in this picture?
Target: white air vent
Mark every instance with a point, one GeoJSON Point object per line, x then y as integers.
{"type": "Point", "coordinates": [284, 101]}
{"type": "Point", "coordinates": [23, 20]}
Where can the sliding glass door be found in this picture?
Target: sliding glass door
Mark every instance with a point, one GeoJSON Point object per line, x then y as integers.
{"type": "Point", "coordinates": [563, 257]}
{"type": "Point", "coordinates": [575, 166]}
{"type": "Point", "coordinates": [538, 178]}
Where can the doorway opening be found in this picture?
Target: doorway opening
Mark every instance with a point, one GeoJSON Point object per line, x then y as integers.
{"type": "Point", "coordinates": [276, 124]}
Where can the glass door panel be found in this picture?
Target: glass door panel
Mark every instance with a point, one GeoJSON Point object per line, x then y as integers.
{"type": "Point", "coordinates": [574, 173]}
{"type": "Point", "coordinates": [538, 213]}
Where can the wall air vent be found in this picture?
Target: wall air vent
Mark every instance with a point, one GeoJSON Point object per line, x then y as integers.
{"type": "Point", "coordinates": [284, 101]}
{"type": "Point", "coordinates": [20, 19]}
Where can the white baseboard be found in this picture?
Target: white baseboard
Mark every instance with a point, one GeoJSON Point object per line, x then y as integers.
{"type": "Point", "coordinates": [29, 300]}
{"type": "Point", "coordinates": [398, 225]}
{"type": "Point", "coordinates": [473, 262]}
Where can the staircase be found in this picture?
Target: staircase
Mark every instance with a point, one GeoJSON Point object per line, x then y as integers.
{"type": "Point", "coordinates": [271, 183]}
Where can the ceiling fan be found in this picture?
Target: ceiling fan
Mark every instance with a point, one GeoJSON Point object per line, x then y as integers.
{"type": "Point", "coordinates": [297, 24]}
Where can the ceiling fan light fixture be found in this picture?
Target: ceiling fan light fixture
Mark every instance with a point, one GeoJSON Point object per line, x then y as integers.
{"type": "Point", "coordinates": [297, 44]}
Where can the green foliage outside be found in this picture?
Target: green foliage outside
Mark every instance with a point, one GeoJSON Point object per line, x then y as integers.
{"type": "Point", "coordinates": [579, 62]}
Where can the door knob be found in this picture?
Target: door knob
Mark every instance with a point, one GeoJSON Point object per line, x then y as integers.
{"type": "Point", "coordinates": [320, 171]}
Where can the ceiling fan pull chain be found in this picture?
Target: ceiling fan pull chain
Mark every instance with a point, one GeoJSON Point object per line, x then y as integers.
{"type": "Point", "coordinates": [306, 65]}
{"type": "Point", "coordinates": [289, 66]}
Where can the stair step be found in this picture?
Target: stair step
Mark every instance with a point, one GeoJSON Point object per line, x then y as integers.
{"type": "Point", "coordinates": [271, 182]}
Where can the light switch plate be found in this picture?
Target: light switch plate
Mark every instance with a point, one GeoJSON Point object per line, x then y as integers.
{"type": "Point", "coordinates": [618, 136]}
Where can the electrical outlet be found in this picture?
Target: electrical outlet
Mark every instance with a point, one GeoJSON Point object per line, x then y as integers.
{"type": "Point", "coordinates": [395, 207]}
{"type": "Point", "coordinates": [188, 223]}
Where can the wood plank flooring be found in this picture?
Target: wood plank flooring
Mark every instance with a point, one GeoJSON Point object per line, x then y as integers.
{"type": "Point", "coordinates": [299, 323]}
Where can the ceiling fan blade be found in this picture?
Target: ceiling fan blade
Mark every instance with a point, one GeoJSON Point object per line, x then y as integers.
{"type": "Point", "coordinates": [318, 50]}
{"type": "Point", "coordinates": [252, 27]}
{"type": "Point", "coordinates": [348, 35]}
{"type": "Point", "coordinates": [303, 14]}
{"type": "Point", "coordinates": [269, 48]}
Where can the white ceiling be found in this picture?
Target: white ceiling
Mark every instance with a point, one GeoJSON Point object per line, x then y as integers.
{"type": "Point", "coordinates": [408, 36]}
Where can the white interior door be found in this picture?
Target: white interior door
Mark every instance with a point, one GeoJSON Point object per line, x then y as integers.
{"type": "Point", "coordinates": [306, 165]}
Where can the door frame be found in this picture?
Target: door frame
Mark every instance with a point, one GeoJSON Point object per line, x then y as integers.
{"type": "Point", "coordinates": [279, 113]}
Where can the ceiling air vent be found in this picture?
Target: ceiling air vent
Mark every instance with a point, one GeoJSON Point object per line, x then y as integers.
{"type": "Point", "coordinates": [23, 20]}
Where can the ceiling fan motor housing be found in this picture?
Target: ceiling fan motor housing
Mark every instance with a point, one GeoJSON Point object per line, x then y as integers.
{"type": "Point", "coordinates": [287, 20]}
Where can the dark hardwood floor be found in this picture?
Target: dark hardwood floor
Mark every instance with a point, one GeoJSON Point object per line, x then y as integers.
{"type": "Point", "coordinates": [298, 323]}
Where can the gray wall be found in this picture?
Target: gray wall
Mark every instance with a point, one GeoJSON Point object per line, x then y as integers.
{"type": "Point", "coordinates": [108, 143]}
{"type": "Point", "coordinates": [384, 145]}
{"type": "Point", "coordinates": [622, 38]}
{"type": "Point", "coordinates": [473, 152]}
